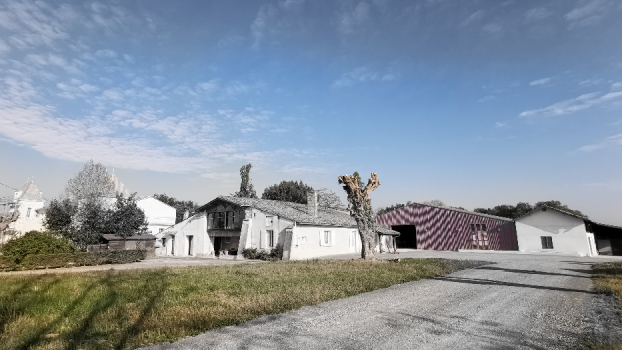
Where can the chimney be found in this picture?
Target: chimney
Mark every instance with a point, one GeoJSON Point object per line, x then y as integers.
{"type": "Point", "coordinates": [186, 214]}
{"type": "Point", "coordinates": [312, 203]}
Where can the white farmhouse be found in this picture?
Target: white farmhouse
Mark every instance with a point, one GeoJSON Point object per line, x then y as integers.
{"type": "Point", "coordinates": [547, 229]}
{"type": "Point", "coordinates": [227, 225]}
{"type": "Point", "coordinates": [30, 203]}
{"type": "Point", "coordinates": [159, 215]}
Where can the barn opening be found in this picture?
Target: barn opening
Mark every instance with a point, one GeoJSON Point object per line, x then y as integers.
{"type": "Point", "coordinates": [407, 237]}
{"type": "Point", "coordinates": [608, 238]}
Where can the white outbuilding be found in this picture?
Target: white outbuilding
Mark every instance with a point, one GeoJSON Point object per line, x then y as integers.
{"type": "Point", "coordinates": [548, 229]}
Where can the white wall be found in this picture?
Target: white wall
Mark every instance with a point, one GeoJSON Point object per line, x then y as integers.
{"type": "Point", "coordinates": [27, 223]}
{"type": "Point", "coordinates": [159, 215]}
{"type": "Point", "coordinates": [568, 233]}
{"type": "Point", "coordinates": [306, 242]}
{"type": "Point", "coordinates": [195, 226]}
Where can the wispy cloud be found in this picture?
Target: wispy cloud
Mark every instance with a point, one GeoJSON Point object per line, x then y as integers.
{"type": "Point", "coordinates": [589, 12]}
{"type": "Point", "coordinates": [537, 14]}
{"type": "Point", "coordinates": [540, 81]}
{"type": "Point", "coordinates": [360, 75]}
{"type": "Point", "coordinates": [573, 105]}
{"type": "Point", "coordinates": [474, 17]}
{"type": "Point", "coordinates": [611, 141]}
{"type": "Point", "coordinates": [352, 19]}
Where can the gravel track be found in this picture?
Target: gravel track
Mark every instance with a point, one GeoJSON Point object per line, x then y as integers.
{"type": "Point", "coordinates": [519, 302]}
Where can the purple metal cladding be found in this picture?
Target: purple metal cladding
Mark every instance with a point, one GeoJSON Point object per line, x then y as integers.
{"type": "Point", "coordinates": [440, 228]}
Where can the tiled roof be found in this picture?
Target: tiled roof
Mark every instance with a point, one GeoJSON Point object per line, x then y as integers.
{"type": "Point", "coordinates": [30, 192]}
{"type": "Point", "coordinates": [119, 188]}
{"type": "Point", "coordinates": [292, 211]}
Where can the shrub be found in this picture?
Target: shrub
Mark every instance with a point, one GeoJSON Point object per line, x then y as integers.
{"type": "Point", "coordinates": [253, 253]}
{"type": "Point", "coordinates": [41, 261]}
{"type": "Point", "coordinates": [34, 243]}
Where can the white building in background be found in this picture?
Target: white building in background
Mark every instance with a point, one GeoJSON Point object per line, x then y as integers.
{"type": "Point", "coordinates": [30, 203]}
{"type": "Point", "coordinates": [547, 229]}
{"type": "Point", "coordinates": [159, 214]}
{"type": "Point", "coordinates": [227, 225]}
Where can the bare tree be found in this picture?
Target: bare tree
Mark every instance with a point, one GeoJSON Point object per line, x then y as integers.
{"type": "Point", "coordinates": [92, 181]}
{"type": "Point", "coordinates": [5, 221]}
{"type": "Point", "coordinates": [362, 211]}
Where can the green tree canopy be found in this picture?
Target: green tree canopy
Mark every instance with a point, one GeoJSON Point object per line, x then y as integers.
{"type": "Point", "coordinates": [522, 208]}
{"type": "Point", "coordinates": [288, 191]}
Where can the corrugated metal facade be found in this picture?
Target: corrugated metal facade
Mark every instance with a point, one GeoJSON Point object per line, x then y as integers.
{"type": "Point", "coordinates": [447, 229]}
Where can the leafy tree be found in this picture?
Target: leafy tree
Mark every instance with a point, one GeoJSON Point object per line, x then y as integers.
{"type": "Point", "coordinates": [362, 211]}
{"type": "Point", "coordinates": [180, 206]}
{"type": "Point", "coordinates": [246, 186]}
{"type": "Point", "coordinates": [358, 179]}
{"type": "Point", "coordinates": [435, 202]}
{"type": "Point", "coordinates": [288, 191]}
{"type": "Point", "coordinates": [560, 206]}
{"type": "Point", "coordinates": [59, 215]}
{"type": "Point", "coordinates": [126, 219]}
{"type": "Point", "coordinates": [92, 181]}
{"type": "Point", "coordinates": [390, 208]}
{"type": "Point", "coordinates": [328, 199]}
{"type": "Point", "coordinates": [89, 223]}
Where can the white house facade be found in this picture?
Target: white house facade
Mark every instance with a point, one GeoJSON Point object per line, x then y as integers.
{"type": "Point", "coordinates": [30, 203]}
{"type": "Point", "coordinates": [228, 225]}
{"type": "Point", "coordinates": [158, 214]}
{"type": "Point", "coordinates": [551, 230]}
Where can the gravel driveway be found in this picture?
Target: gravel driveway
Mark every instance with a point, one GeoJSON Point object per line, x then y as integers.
{"type": "Point", "coordinates": [521, 302]}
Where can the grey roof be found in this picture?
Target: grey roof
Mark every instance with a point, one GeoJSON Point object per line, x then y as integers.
{"type": "Point", "coordinates": [30, 192]}
{"type": "Point", "coordinates": [119, 187]}
{"type": "Point", "coordinates": [585, 218]}
{"type": "Point", "coordinates": [146, 237]}
{"type": "Point", "coordinates": [292, 211]}
{"type": "Point", "coordinates": [384, 230]}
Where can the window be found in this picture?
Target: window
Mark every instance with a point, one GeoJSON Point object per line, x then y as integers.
{"type": "Point", "coordinates": [227, 239]}
{"type": "Point", "coordinates": [229, 218]}
{"type": "Point", "coordinates": [353, 239]}
{"type": "Point", "coordinates": [28, 213]}
{"type": "Point", "coordinates": [270, 234]}
{"type": "Point", "coordinates": [480, 236]}
{"type": "Point", "coordinates": [326, 238]}
{"type": "Point", "coordinates": [210, 220]}
{"type": "Point", "coordinates": [268, 221]}
{"type": "Point", "coordinates": [547, 242]}
{"type": "Point", "coordinates": [220, 220]}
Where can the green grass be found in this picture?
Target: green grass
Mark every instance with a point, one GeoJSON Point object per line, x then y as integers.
{"type": "Point", "coordinates": [127, 309]}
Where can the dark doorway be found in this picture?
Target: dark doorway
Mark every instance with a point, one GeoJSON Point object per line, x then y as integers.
{"type": "Point", "coordinates": [407, 237]}
{"type": "Point", "coordinates": [217, 245]}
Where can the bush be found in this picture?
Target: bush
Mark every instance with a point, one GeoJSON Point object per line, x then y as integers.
{"type": "Point", "coordinates": [44, 261]}
{"type": "Point", "coordinates": [34, 243]}
{"type": "Point", "coordinates": [253, 253]}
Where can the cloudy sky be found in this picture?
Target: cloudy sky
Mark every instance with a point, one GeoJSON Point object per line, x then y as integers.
{"type": "Point", "coordinates": [476, 103]}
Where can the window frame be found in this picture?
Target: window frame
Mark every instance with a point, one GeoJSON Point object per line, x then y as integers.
{"type": "Point", "coordinates": [547, 242]}
{"type": "Point", "coordinates": [270, 238]}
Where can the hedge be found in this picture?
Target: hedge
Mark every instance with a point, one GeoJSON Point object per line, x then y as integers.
{"type": "Point", "coordinates": [253, 253]}
{"type": "Point", "coordinates": [46, 261]}
{"type": "Point", "coordinates": [36, 243]}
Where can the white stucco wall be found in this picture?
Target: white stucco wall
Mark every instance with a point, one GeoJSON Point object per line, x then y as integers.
{"type": "Point", "coordinates": [568, 233]}
{"type": "Point", "coordinates": [195, 226]}
{"type": "Point", "coordinates": [306, 242]}
{"type": "Point", "coordinates": [27, 222]}
{"type": "Point", "coordinates": [159, 215]}
{"type": "Point", "coordinates": [258, 228]}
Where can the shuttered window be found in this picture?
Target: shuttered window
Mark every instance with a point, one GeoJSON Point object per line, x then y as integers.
{"type": "Point", "coordinates": [547, 242]}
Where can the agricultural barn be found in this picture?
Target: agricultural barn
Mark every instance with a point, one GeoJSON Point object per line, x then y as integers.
{"type": "Point", "coordinates": [425, 226]}
{"type": "Point", "coordinates": [548, 229]}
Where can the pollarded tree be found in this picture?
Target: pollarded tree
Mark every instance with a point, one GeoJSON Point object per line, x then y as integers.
{"type": "Point", "coordinates": [362, 211]}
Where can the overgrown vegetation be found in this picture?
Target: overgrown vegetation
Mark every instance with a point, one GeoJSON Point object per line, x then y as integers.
{"type": "Point", "coordinates": [35, 242]}
{"type": "Point", "coordinates": [49, 261]}
{"type": "Point", "coordinates": [127, 309]}
{"type": "Point", "coordinates": [607, 279]}
{"type": "Point", "coordinates": [275, 254]}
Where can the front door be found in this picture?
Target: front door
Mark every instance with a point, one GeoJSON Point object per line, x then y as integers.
{"type": "Point", "coordinates": [217, 245]}
{"type": "Point", "coordinates": [190, 246]}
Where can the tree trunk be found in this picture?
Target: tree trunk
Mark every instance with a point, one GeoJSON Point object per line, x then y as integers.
{"type": "Point", "coordinates": [362, 211]}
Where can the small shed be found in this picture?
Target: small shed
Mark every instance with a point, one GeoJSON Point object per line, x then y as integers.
{"type": "Point", "coordinates": [138, 242]}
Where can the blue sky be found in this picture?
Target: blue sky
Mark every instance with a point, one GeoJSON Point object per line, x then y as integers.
{"type": "Point", "coordinates": [476, 103]}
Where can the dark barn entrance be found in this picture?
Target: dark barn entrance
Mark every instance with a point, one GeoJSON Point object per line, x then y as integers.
{"type": "Point", "coordinates": [407, 237]}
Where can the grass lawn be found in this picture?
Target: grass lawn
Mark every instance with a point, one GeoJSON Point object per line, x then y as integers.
{"type": "Point", "coordinates": [127, 309]}
{"type": "Point", "coordinates": [608, 279]}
